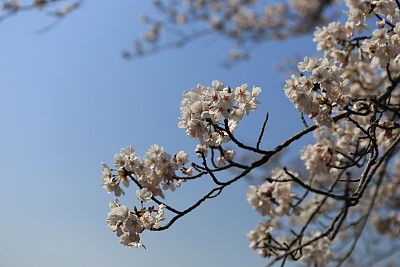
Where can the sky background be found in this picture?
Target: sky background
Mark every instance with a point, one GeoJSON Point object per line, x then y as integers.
{"type": "Point", "coordinates": [69, 101]}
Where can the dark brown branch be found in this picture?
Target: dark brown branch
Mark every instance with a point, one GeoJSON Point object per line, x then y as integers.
{"type": "Point", "coordinates": [237, 142]}
{"type": "Point", "coordinates": [209, 171]}
{"type": "Point", "coordinates": [262, 131]}
{"type": "Point", "coordinates": [314, 190]}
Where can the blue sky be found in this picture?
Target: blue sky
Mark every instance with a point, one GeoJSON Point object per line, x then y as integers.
{"type": "Point", "coordinates": [68, 102]}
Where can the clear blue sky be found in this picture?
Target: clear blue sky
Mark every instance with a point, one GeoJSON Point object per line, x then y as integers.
{"type": "Point", "coordinates": [68, 102]}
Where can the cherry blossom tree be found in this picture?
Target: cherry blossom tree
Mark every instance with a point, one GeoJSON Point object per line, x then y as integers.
{"type": "Point", "coordinates": [173, 24]}
{"type": "Point", "coordinates": [349, 190]}
{"type": "Point", "coordinates": [245, 23]}
{"type": "Point", "coordinates": [56, 8]}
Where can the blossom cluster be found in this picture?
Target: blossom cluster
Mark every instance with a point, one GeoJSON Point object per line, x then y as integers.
{"type": "Point", "coordinates": [204, 109]}
{"type": "Point", "coordinates": [341, 145]}
{"type": "Point", "coordinates": [317, 158]}
{"type": "Point", "coordinates": [334, 148]}
{"type": "Point", "coordinates": [335, 79]}
{"type": "Point", "coordinates": [318, 94]}
{"type": "Point", "coordinates": [129, 224]}
{"type": "Point", "coordinates": [274, 198]}
{"type": "Point", "coordinates": [387, 225]}
{"type": "Point", "coordinates": [260, 239]}
{"type": "Point", "coordinates": [156, 171]}
{"type": "Point", "coordinates": [318, 252]}
{"type": "Point", "coordinates": [379, 49]}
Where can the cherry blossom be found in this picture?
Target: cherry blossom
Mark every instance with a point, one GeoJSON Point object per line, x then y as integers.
{"type": "Point", "coordinates": [346, 187]}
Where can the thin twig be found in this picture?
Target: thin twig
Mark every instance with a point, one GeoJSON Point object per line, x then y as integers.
{"type": "Point", "coordinates": [262, 131]}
